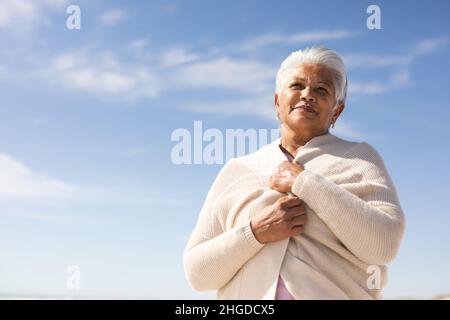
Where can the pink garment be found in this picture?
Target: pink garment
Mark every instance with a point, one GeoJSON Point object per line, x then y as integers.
{"type": "Point", "coordinates": [282, 292]}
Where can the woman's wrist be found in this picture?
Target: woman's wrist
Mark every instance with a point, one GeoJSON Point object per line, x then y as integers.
{"type": "Point", "coordinates": [254, 228]}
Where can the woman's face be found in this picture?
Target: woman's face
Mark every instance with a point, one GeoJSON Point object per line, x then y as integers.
{"type": "Point", "coordinates": [306, 99]}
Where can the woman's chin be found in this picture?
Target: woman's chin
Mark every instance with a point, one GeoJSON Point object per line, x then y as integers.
{"type": "Point", "coordinates": [300, 120]}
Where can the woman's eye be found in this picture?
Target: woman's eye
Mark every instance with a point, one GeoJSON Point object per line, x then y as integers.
{"type": "Point", "coordinates": [297, 86]}
{"type": "Point", "coordinates": [322, 90]}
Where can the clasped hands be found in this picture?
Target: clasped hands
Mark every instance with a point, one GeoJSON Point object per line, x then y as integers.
{"type": "Point", "coordinates": [286, 217]}
{"type": "Point", "coordinates": [284, 176]}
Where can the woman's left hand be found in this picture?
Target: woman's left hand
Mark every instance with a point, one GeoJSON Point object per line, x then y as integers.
{"type": "Point", "coordinates": [284, 176]}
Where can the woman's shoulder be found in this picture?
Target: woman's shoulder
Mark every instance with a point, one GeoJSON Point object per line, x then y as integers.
{"type": "Point", "coordinates": [364, 151]}
{"type": "Point", "coordinates": [366, 157]}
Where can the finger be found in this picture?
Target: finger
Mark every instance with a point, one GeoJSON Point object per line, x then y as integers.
{"type": "Point", "coordinates": [298, 220]}
{"type": "Point", "coordinates": [295, 211]}
{"type": "Point", "coordinates": [291, 202]}
{"type": "Point", "coordinates": [296, 231]}
{"type": "Point", "coordinates": [282, 199]}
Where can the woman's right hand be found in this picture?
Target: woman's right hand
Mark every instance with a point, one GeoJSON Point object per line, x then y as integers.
{"type": "Point", "coordinates": [282, 219]}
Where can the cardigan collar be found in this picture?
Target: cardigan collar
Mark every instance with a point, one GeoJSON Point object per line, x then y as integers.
{"type": "Point", "coordinates": [278, 156]}
{"type": "Point", "coordinates": [317, 140]}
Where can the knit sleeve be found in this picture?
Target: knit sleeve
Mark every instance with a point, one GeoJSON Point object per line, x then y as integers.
{"type": "Point", "coordinates": [213, 255]}
{"type": "Point", "coordinates": [362, 209]}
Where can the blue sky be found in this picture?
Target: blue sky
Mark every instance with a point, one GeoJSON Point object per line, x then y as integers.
{"type": "Point", "coordinates": [86, 117]}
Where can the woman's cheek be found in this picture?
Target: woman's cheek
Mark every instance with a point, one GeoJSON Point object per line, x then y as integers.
{"type": "Point", "coordinates": [292, 99]}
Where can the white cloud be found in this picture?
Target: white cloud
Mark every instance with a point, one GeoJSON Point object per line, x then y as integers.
{"type": "Point", "coordinates": [264, 107]}
{"type": "Point", "coordinates": [261, 106]}
{"type": "Point", "coordinates": [101, 74]}
{"type": "Point", "coordinates": [297, 38]}
{"type": "Point", "coordinates": [397, 80]}
{"type": "Point", "coordinates": [138, 44]}
{"type": "Point", "coordinates": [23, 15]}
{"type": "Point", "coordinates": [223, 72]}
{"type": "Point", "coordinates": [431, 45]}
{"type": "Point", "coordinates": [400, 64]}
{"type": "Point", "coordinates": [367, 87]}
{"type": "Point", "coordinates": [178, 56]}
{"type": "Point", "coordinates": [139, 50]}
{"type": "Point", "coordinates": [11, 10]}
{"type": "Point", "coordinates": [113, 17]}
{"type": "Point", "coordinates": [18, 180]}
{"type": "Point", "coordinates": [345, 130]}
{"type": "Point", "coordinates": [58, 218]}
{"type": "Point", "coordinates": [255, 80]}
{"type": "Point", "coordinates": [374, 61]}
{"type": "Point", "coordinates": [424, 47]}
{"type": "Point", "coordinates": [138, 72]}
{"type": "Point", "coordinates": [34, 195]}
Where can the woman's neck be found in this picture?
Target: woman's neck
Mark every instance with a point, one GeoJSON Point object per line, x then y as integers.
{"type": "Point", "coordinates": [291, 140]}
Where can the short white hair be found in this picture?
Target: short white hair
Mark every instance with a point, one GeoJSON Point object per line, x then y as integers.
{"type": "Point", "coordinates": [317, 55]}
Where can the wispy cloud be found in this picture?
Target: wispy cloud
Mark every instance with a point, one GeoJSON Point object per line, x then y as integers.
{"type": "Point", "coordinates": [397, 80]}
{"type": "Point", "coordinates": [56, 218]}
{"type": "Point", "coordinates": [297, 38]}
{"type": "Point", "coordinates": [227, 73]}
{"type": "Point", "coordinates": [137, 72]}
{"type": "Point", "coordinates": [424, 47]}
{"type": "Point", "coordinates": [253, 78]}
{"type": "Point", "coordinates": [138, 44]}
{"type": "Point", "coordinates": [399, 67]}
{"type": "Point", "coordinates": [353, 61]}
{"type": "Point", "coordinates": [347, 131]}
{"type": "Point", "coordinates": [260, 106]}
{"type": "Point", "coordinates": [113, 17]}
{"type": "Point", "coordinates": [263, 107]}
{"type": "Point", "coordinates": [19, 181]}
{"type": "Point", "coordinates": [102, 74]}
{"type": "Point", "coordinates": [26, 15]}
{"type": "Point", "coordinates": [430, 45]}
{"type": "Point", "coordinates": [30, 194]}
{"type": "Point", "coordinates": [177, 56]}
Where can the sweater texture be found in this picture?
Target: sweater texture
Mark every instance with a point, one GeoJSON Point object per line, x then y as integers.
{"type": "Point", "coordinates": [354, 228]}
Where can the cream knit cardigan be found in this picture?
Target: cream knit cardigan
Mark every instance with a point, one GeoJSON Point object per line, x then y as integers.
{"type": "Point", "coordinates": [354, 221]}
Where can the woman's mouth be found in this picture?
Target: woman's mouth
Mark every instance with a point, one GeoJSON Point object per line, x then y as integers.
{"type": "Point", "coordinates": [305, 108]}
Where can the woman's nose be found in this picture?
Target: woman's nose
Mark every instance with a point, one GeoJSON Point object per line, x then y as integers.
{"type": "Point", "coordinates": [307, 95]}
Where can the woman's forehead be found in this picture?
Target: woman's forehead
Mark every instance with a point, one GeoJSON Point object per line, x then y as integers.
{"type": "Point", "coordinates": [311, 72]}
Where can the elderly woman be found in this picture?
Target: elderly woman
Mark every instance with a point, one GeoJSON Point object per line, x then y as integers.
{"type": "Point", "coordinates": [309, 216]}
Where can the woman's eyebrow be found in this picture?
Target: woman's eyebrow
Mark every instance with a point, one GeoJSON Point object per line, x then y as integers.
{"type": "Point", "coordinates": [298, 79]}
{"type": "Point", "coordinates": [304, 80]}
{"type": "Point", "coordinates": [325, 83]}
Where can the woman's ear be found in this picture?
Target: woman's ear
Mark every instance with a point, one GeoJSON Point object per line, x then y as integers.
{"type": "Point", "coordinates": [338, 110]}
{"type": "Point", "coordinates": [275, 100]}
{"type": "Point", "coordinates": [277, 107]}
